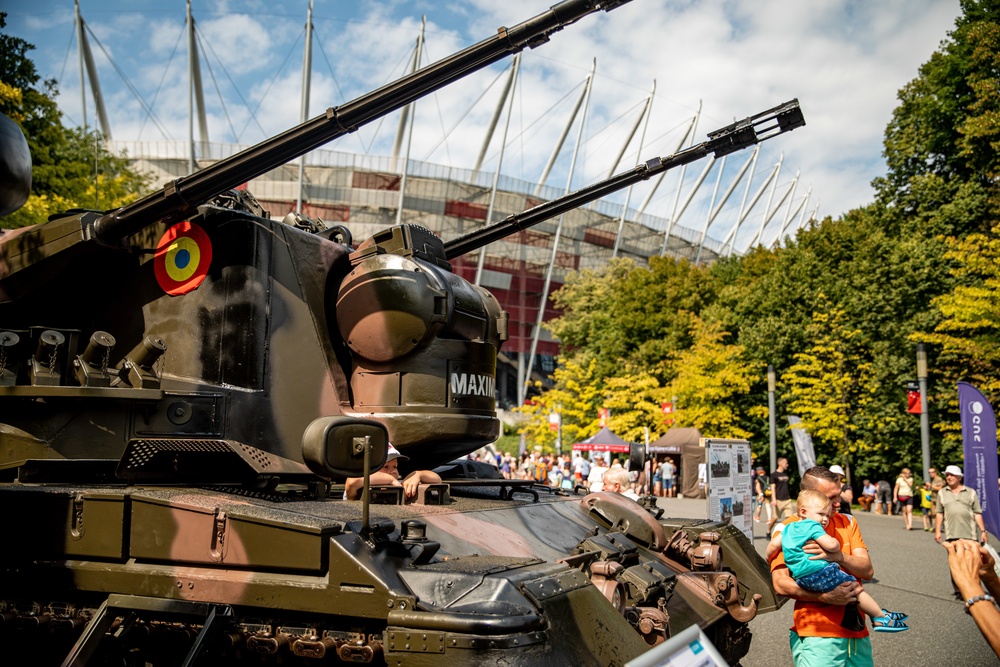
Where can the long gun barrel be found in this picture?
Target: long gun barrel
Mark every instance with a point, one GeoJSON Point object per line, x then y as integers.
{"type": "Point", "coordinates": [739, 135]}
{"type": "Point", "coordinates": [182, 196]}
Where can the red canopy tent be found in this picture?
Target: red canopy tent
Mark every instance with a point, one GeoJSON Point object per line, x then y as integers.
{"type": "Point", "coordinates": [602, 441]}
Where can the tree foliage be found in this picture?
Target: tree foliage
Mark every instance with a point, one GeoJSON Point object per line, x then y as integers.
{"type": "Point", "coordinates": [576, 396]}
{"type": "Point", "coordinates": [831, 384]}
{"type": "Point", "coordinates": [624, 317]}
{"type": "Point", "coordinates": [635, 402]}
{"type": "Point", "coordinates": [70, 168]}
{"type": "Point", "coordinates": [709, 375]}
{"type": "Point", "coordinates": [968, 334]}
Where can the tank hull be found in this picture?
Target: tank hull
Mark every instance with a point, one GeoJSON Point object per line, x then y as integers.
{"type": "Point", "coordinates": [488, 579]}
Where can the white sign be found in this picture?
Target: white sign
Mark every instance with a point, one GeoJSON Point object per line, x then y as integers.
{"type": "Point", "coordinates": [803, 445]}
{"type": "Point", "coordinates": [730, 487]}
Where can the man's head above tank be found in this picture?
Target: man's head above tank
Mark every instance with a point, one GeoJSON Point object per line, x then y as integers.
{"type": "Point", "coordinates": [824, 480]}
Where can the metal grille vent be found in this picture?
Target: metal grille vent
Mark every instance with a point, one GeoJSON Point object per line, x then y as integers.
{"type": "Point", "coordinates": [141, 452]}
{"type": "Point", "coordinates": [258, 456]}
{"type": "Point", "coordinates": [188, 461]}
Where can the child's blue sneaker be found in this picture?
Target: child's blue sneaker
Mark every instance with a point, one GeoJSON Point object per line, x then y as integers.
{"type": "Point", "coordinates": [886, 624]}
{"type": "Point", "coordinates": [895, 615]}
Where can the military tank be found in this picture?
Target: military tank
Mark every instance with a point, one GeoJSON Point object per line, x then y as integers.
{"type": "Point", "coordinates": [186, 384]}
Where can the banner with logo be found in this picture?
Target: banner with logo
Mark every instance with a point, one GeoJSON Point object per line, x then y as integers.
{"type": "Point", "coordinates": [913, 397]}
{"type": "Point", "coordinates": [803, 445]}
{"type": "Point", "coordinates": [979, 444]}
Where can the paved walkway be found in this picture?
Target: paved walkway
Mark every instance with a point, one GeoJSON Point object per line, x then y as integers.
{"type": "Point", "coordinates": [911, 575]}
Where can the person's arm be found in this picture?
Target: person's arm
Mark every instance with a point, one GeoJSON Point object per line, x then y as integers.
{"type": "Point", "coordinates": [938, 519]}
{"type": "Point", "coordinates": [964, 561]}
{"type": "Point", "coordinates": [355, 485]}
{"type": "Point", "coordinates": [988, 573]}
{"type": "Point", "coordinates": [774, 546]}
{"type": "Point", "coordinates": [418, 477]}
{"type": "Point", "coordinates": [847, 495]}
{"type": "Point", "coordinates": [983, 535]}
{"type": "Point", "coordinates": [829, 544]}
{"type": "Point", "coordinates": [895, 492]}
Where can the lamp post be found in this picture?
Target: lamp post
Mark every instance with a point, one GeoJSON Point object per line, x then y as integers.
{"type": "Point", "coordinates": [925, 427]}
{"type": "Point", "coordinates": [770, 415]}
{"type": "Point", "coordinates": [555, 423]}
{"type": "Point", "coordinates": [559, 434]}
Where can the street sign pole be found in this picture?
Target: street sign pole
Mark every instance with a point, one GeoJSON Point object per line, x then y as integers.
{"type": "Point", "coordinates": [925, 427]}
{"type": "Point", "coordinates": [771, 416]}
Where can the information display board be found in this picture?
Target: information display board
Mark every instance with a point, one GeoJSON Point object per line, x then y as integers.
{"type": "Point", "coordinates": [730, 483]}
{"type": "Point", "coordinates": [688, 648]}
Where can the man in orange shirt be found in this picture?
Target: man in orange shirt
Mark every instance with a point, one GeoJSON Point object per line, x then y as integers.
{"type": "Point", "coordinates": [828, 629]}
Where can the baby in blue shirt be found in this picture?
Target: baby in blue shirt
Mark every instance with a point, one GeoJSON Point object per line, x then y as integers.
{"type": "Point", "coordinates": [814, 574]}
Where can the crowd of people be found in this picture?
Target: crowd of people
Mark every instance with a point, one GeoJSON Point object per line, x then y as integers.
{"type": "Point", "coordinates": [660, 477]}
{"type": "Point", "coordinates": [902, 497]}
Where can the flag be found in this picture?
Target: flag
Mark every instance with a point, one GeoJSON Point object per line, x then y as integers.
{"type": "Point", "coordinates": [979, 444]}
{"type": "Point", "coordinates": [668, 409]}
{"type": "Point", "coordinates": [913, 397]}
{"type": "Point", "coordinates": [603, 415]}
{"type": "Point", "coordinates": [803, 445]}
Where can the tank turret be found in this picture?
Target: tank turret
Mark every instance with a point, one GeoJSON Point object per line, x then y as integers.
{"type": "Point", "coordinates": [244, 310]}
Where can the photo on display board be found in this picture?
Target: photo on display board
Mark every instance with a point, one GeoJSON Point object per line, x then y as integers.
{"type": "Point", "coordinates": [720, 466]}
{"type": "Point", "coordinates": [726, 510]}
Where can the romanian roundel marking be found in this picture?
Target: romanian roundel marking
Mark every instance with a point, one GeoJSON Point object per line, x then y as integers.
{"type": "Point", "coordinates": [182, 258]}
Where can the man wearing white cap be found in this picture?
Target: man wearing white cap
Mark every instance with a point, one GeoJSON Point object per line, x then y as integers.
{"type": "Point", "coordinates": [958, 509]}
{"type": "Point", "coordinates": [389, 476]}
{"type": "Point", "coordinates": [846, 492]}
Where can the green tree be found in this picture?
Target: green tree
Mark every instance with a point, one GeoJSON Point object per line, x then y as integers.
{"type": "Point", "coordinates": [709, 376]}
{"type": "Point", "coordinates": [70, 168]}
{"type": "Point", "coordinates": [576, 396]}
{"type": "Point", "coordinates": [970, 328]}
{"type": "Point", "coordinates": [635, 401]}
{"type": "Point", "coordinates": [628, 316]}
{"type": "Point", "coordinates": [944, 135]}
{"type": "Point", "coordinates": [967, 337]}
{"type": "Point", "coordinates": [831, 385]}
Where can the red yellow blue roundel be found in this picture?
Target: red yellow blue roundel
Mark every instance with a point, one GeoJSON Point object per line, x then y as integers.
{"type": "Point", "coordinates": [182, 258]}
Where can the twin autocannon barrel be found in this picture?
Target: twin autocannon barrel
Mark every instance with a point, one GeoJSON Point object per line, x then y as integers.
{"type": "Point", "coordinates": [182, 196]}
{"type": "Point", "coordinates": [741, 134]}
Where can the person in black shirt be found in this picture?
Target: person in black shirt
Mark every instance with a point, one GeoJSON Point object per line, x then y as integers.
{"type": "Point", "coordinates": [781, 499]}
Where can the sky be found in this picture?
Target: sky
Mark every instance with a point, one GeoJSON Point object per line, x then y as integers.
{"type": "Point", "coordinates": [844, 60]}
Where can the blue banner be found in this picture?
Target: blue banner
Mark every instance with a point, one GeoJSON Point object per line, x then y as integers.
{"type": "Point", "coordinates": [979, 444]}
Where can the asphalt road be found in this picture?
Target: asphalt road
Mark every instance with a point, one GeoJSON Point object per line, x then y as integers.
{"type": "Point", "coordinates": [911, 575]}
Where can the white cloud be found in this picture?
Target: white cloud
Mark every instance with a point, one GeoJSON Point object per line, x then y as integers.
{"type": "Point", "coordinates": [844, 59]}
